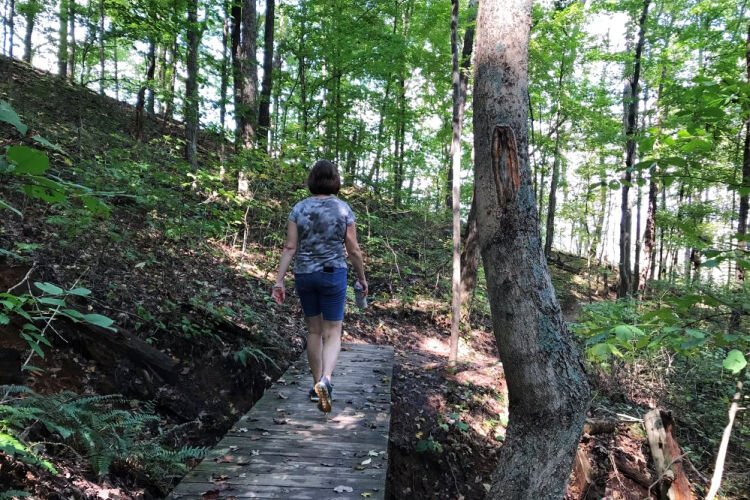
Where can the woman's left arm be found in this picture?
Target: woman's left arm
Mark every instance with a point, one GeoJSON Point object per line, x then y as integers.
{"type": "Point", "coordinates": [290, 248]}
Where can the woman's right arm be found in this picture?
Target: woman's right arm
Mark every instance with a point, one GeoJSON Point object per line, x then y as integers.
{"type": "Point", "coordinates": [290, 248]}
{"type": "Point", "coordinates": [355, 254]}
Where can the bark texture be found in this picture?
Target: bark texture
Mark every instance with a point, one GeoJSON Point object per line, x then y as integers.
{"type": "Point", "coordinates": [62, 48]}
{"type": "Point", "coordinates": [192, 102]}
{"type": "Point", "coordinates": [470, 255]}
{"type": "Point", "coordinates": [548, 391]}
{"type": "Point", "coordinates": [456, 187]}
{"type": "Point", "coordinates": [630, 96]}
{"type": "Point", "coordinates": [245, 70]}
{"type": "Point", "coordinates": [745, 193]}
{"type": "Point", "coordinates": [264, 112]}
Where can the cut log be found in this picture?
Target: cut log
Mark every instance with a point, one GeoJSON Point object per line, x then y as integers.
{"type": "Point", "coordinates": [582, 474]}
{"type": "Point", "coordinates": [109, 348]}
{"type": "Point", "coordinates": [671, 479]}
{"type": "Point", "coordinates": [599, 426]}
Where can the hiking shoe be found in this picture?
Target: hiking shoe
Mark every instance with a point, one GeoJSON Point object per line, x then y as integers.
{"type": "Point", "coordinates": [313, 396]}
{"type": "Point", "coordinates": [324, 389]}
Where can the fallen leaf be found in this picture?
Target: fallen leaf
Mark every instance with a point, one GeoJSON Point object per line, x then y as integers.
{"type": "Point", "coordinates": [282, 395]}
{"type": "Point", "coordinates": [366, 494]}
{"type": "Point", "coordinates": [487, 486]}
{"type": "Point", "coordinates": [255, 453]}
{"type": "Point", "coordinates": [343, 489]}
{"type": "Point", "coordinates": [372, 453]}
{"type": "Point", "coordinates": [367, 462]}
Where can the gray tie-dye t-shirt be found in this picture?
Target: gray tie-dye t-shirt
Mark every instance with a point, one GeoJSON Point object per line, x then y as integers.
{"type": "Point", "coordinates": [321, 226]}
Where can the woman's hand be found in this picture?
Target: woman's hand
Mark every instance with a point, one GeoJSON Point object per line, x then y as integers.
{"type": "Point", "coordinates": [278, 293]}
{"type": "Point", "coordinates": [363, 284]}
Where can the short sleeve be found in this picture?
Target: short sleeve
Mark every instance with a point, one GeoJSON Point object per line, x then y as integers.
{"type": "Point", "coordinates": [350, 217]}
{"type": "Point", "coordinates": [294, 214]}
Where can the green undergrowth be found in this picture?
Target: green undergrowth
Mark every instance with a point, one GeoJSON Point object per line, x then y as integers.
{"type": "Point", "coordinates": [682, 348]}
{"type": "Point", "coordinates": [105, 430]}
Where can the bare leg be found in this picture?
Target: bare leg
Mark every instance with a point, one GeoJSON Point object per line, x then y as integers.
{"type": "Point", "coordinates": [331, 345]}
{"type": "Point", "coordinates": [315, 346]}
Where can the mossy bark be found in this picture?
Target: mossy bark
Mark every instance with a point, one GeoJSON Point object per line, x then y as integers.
{"type": "Point", "coordinates": [548, 391]}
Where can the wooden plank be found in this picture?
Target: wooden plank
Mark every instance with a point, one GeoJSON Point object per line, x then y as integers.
{"type": "Point", "coordinates": [195, 491]}
{"type": "Point", "coordinates": [286, 448]}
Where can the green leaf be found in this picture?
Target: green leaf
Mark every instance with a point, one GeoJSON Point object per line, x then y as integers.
{"type": "Point", "coordinates": [34, 345]}
{"type": "Point", "coordinates": [72, 314]}
{"type": "Point", "coordinates": [735, 361]}
{"type": "Point", "coordinates": [49, 288]}
{"type": "Point", "coordinates": [99, 320]}
{"type": "Point", "coordinates": [8, 115]}
{"type": "Point", "coordinates": [44, 142]}
{"type": "Point", "coordinates": [81, 292]}
{"type": "Point", "coordinates": [27, 160]}
{"type": "Point", "coordinates": [3, 204]}
{"type": "Point", "coordinates": [45, 190]}
{"type": "Point", "coordinates": [51, 301]}
{"type": "Point", "coordinates": [627, 332]}
{"type": "Point", "coordinates": [95, 205]}
{"type": "Point", "coordinates": [4, 319]}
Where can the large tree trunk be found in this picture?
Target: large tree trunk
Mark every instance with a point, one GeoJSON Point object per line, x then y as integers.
{"type": "Point", "coordinates": [192, 102]}
{"type": "Point", "coordinates": [631, 105]}
{"type": "Point", "coordinates": [62, 48]}
{"type": "Point", "coordinates": [244, 31]}
{"type": "Point", "coordinates": [548, 391]}
{"type": "Point", "coordinates": [264, 112]}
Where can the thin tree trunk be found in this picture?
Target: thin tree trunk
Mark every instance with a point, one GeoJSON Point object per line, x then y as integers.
{"type": "Point", "coordinates": [115, 59]}
{"type": "Point", "coordinates": [173, 56]}
{"type": "Point", "coordinates": [745, 185]}
{"type": "Point", "coordinates": [264, 111]}
{"type": "Point", "coordinates": [456, 187]}
{"type": "Point", "coordinates": [548, 391]}
{"type": "Point", "coordinates": [102, 59]}
{"type": "Point", "coordinates": [11, 27]}
{"type": "Point", "coordinates": [150, 100]}
{"type": "Point", "coordinates": [141, 99]}
{"type": "Point", "coordinates": [192, 100]}
{"type": "Point", "coordinates": [550, 234]}
{"type": "Point", "coordinates": [30, 23]}
{"type": "Point", "coordinates": [62, 49]}
{"type": "Point", "coordinates": [224, 85]}
{"type": "Point", "coordinates": [470, 254]}
{"type": "Point", "coordinates": [631, 104]}
{"type": "Point", "coordinates": [72, 48]}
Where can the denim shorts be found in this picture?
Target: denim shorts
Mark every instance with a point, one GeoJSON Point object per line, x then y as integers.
{"type": "Point", "coordinates": [323, 292]}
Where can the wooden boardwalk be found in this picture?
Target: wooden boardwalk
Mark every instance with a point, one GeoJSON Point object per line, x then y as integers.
{"type": "Point", "coordinates": [286, 448]}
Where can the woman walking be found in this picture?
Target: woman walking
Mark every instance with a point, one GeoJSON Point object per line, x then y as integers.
{"type": "Point", "coordinates": [318, 230]}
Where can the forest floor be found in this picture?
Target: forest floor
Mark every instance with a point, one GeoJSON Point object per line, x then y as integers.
{"type": "Point", "coordinates": [199, 338]}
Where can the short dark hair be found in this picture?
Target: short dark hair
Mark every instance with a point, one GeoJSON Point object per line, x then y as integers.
{"type": "Point", "coordinates": [324, 178]}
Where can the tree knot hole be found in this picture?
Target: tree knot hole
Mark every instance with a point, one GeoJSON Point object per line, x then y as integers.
{"type": "Point", "coordinates": [505, 163]}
